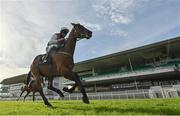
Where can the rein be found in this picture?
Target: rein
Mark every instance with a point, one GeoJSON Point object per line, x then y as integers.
{"type": "Point", "coordinates": [66, 53]}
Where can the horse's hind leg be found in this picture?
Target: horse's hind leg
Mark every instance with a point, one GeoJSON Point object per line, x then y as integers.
{"type": "Point", "coordinates": [21, 94]}
{"type": "Point", "coordinates": [26, 95]}
{"type": "Point", "coordinates": [50, 86]}
{"type": "Point", "coordinates": [44, 98]}
{"type": "Point", "coordinates": [28, 78]}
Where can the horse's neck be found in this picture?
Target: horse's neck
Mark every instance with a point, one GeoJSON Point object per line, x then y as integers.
{"type": "Point", "coordinates": [70, 43]}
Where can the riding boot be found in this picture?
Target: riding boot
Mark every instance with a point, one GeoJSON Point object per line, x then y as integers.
{"type": "Point", "coordinates": [46, 57]}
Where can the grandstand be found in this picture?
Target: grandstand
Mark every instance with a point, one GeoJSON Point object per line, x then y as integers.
{"type": "Point", "coordinates": [139, 68]}
{"type": "Point", "coordinates": [150, 71]}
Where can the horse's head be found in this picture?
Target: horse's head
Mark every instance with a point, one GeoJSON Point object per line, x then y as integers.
{"type": "Point", "coordinates": [81, 31]}
{"type": "Point", "coordinates": [23, 87]}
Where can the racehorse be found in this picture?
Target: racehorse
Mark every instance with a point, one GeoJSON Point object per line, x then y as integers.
{"type": "Point", "coordinates": [32, 88]}
{"type": "Point", "coordinates": [62, 64]}
{"type": "Point", "coordinates": [27, 89]}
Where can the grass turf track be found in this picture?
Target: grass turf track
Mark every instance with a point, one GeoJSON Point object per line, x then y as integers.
{"type": "Point", "coordinates": [96, 107]}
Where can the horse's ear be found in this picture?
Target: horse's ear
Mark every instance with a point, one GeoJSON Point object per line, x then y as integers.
{"type": "Point", "coordinates": [73, 24]}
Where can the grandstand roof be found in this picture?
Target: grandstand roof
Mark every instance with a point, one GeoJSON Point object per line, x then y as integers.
{"type": "Point", "coordinates": [15, 79]}
{"type": "Point", "coordinates": [136, 55]}
{"type": "Point", "coordinates": [170, 47]}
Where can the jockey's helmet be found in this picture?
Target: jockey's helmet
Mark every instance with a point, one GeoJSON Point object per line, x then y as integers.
{"type": "Point", "coordinates": [64, 30]}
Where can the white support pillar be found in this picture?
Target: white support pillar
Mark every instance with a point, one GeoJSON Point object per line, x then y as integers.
{"type": "Point", "coordinates": [69, 97]}
{"type": "Point", "coordinates": [95, 89]}
{"type": "Point", "coordinates": [162, 91]}
{"type": "Point", "coordinates": [130, 63]}
{"type": "Point", "coordinates": [168, 50]}
{"type": "Point", "coordinates": [93, 72]}
{"type": "Point", "coordinates": [135, 83]}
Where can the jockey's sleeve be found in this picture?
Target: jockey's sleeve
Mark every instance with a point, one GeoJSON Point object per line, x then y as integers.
{"type": "Point", "coordinates": [53, 39]}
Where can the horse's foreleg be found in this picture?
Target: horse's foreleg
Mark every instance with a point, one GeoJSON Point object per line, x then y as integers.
{"type": "Point", "coordinates": [33, 96]}
{"type": "Point", "coordinates": [50, 86]}
{"type": "Point", "coordinates": [44, 98]}
{"type": "Point", "coordinates": [66, 89]}
{"type": "Point", "coordinates": [74, 87]}
{"type": "Point", "coordinates": [82, 89]}
{"type": "Point", "coordinates": [26, 95]}
{"type": "Point", "coordinates": [75, 77]}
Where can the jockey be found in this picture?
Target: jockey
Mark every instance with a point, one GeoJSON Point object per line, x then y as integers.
{"type": "Point", "coordinates": [57, 41]}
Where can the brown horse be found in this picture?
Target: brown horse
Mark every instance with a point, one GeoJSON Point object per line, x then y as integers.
{"type": "Point", "coordinates": [62, 64]}
{"type": "Point", "coordinates": [32, 88]}
{"type": "Point", "coordinates": [27, 89]}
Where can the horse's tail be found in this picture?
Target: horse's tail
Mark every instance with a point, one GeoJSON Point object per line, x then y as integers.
{"type": "Point", "coordinates": [36, 64]}
{"type": "Point", "coordinates": [28, 78]}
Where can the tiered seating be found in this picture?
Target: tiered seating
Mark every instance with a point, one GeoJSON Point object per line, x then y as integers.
{"type": "Point", "coordinates": [117, 71]}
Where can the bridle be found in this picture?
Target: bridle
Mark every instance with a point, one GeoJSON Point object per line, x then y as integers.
{"type": "Point", "coordinates": [81, 35]}
{"type": "Point", "coordinates": [68, 54]}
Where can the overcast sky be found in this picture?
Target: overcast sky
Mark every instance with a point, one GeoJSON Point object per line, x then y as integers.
{"type": "Point", "coordinates": [27, 25]}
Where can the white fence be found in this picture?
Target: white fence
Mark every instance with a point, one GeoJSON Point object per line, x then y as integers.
{"type": "Point", "coordinates": [135, 94]}
{"type": "Point", "coordinates": [153, 92]}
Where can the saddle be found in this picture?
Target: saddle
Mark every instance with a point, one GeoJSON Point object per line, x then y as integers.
{"type": "Point", "coordinates": [49, 58]}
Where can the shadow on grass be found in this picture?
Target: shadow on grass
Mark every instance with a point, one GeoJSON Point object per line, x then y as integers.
{"type": "Point", "coordinates": [70, 108]}
{"type": "Point", "coordinates": [118, 110]}
{"type": "Point", "coordinates": [157, 111]}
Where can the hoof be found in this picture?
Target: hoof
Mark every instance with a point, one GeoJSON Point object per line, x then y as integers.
{"type": "Point", "coordinates": [70, 91]}
{"type": "Point", "coordinates": [48, 105]}
{"type": "Point", "coordinates": [61, 95]}
{"type": "Point", "coordinates": [65, 89]}
{"type": "Point", "coordinates": [85, 100]}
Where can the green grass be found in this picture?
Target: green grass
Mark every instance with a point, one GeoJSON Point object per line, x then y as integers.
{"type": "Point", "coordinates": [96, 107]}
